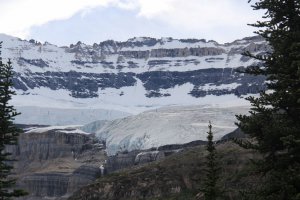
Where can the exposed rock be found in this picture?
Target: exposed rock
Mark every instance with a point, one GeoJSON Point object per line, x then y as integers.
{"type": "Point", "coordinates": [247, 84]}
{"type": "Point", "coordinates": [81, 85]}
{"type": "Point", "coordinates": [46, 185]}
{"type": "Point", "coordinates": [179, 176]}
{"type": "Point", "coordinates": [150, 156]}
{"type": "Point", "coordinates": [37, 62]}
{"type": "Point", "coordinates": [125, 159]}
{"type": "Point", "coordinates": [135, 54]}
{"type": "Point", "coordinates": [192, 40]}
{"type": "Point", "coordinates": [139, 42]}
{"type": "Point", "coordinates": [121, 160]}
{"type": "Point", "coordinates": [205, 51]}
{"type": "Point", "coordinates": [54, 164]}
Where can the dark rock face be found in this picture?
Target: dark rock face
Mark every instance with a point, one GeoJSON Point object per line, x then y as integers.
{"type": "Point", "coordinates": [192, 40]}
{"type": "Point", "coordinates": [207, 51]}
{"type": "Point", "coordinates": [48, 146]}
{"type": "Point", "coordinates": [54, 164]}
{"type": "Point", "coordinates": [35, 62]}
{"type": "Point", "coordinates": [48, 184]}
{"type": "Point", "coordinates": [81, 85]}
{"type": "Point", "coordinates": [86, 85]}
{"type": "Point", "coordinates": [146, 157]}
{"type": "Point", "coordinates": [135, 54]}
{"type": "Point", "coordinates": [120, 161]}
{"type": "Point", "coordinates": [146, 41]}
{"type": "Point", "coordinates": [56, 185]}
{"type": "Point", "coordinates": [153, 81]}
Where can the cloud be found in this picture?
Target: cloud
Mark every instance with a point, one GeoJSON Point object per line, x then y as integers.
{"type": "Point", "coordinates": [200, 15]}
{"type": "Point", "coordinates": [212, 19]}
{"type": "Point", "coordinates": [222, 20]}
{"type": "Point", "coordinates": [18, 16]}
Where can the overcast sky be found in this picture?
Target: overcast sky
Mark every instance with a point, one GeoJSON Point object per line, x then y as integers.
{"type": "Point", "coordinates": [63, 22]}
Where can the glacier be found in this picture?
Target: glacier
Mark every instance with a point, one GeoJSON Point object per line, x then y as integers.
{"type": "Point", "coordinates": [169, 125]}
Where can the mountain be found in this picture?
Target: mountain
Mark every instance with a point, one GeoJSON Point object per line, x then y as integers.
{"type": "Point", "coordinates": [149, 97]}
{"type": "Point", "coordinates": [123, 78]}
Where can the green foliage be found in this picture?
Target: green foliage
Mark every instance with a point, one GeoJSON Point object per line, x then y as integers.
{"type": "Point", "coordinates": [8, 132]}
{"type": "Point", "coordinates": [210, 188]}
{"type": "Point", "coordinates": [274, 120]}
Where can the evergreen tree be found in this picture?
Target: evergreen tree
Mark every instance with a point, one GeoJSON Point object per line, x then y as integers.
{"type": "Point", "coordinates": [210, 189]}
{"type": "Point", "coordinates": [8, 132]}
{"type": "Point", "coordinates": [274, 120]}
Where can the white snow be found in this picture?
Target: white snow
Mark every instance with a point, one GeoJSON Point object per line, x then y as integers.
{"type": "Point", "coordinates": [74, 131]}
{"type": "Point", "coordinates": [59, 59]}
{"type": "Point", "coordinates": [208, 87]}
{"type": "Point", "coordinates": [62, 129]}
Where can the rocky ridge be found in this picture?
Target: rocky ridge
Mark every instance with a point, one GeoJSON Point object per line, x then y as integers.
{"type": "Point", "coordinates": [83, 70]}
{"type": "Point", "coordinates": [132, 76]}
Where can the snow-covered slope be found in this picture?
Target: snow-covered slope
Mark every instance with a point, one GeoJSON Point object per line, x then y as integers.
{"type": "Point", "coordinates": [117, 79]}
{"type": "Point", "coordinates": [136, 55]}
{"type": "Point", "coordinates": [172, 125]}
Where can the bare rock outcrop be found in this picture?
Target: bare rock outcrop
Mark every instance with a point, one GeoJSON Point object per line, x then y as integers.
{"type": "Point", "coordinates": [55, 163]}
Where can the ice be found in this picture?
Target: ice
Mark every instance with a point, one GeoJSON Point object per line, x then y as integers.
{"type": "Point", "coordinates": [61, 116]}
{"type": "Point", "coordinates": [169, 125]}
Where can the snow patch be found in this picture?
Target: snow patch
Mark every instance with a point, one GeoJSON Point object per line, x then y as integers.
{"type": "Point", "coordinates": [62, 129]}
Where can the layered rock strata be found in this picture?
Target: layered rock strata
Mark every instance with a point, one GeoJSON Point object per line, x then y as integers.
{"type": "Point", "coordinates": [54, 164]}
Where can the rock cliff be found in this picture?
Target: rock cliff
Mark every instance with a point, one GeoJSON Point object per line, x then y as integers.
{"type": "Point", "coordinates": [56, 162]}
